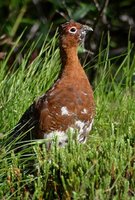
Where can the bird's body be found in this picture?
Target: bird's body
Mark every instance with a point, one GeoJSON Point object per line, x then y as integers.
{"type": "Point", "coordinates": [69, 103]}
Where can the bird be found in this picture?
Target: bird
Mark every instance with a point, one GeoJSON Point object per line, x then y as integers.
{"type": "Point", "coordinates": [69, 104]}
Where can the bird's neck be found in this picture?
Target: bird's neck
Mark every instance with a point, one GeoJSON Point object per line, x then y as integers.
{"type": "Point", "coordinates": [69, 59]}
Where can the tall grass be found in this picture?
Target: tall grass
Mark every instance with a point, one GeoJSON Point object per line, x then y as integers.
{"type": "Point", "coordinates": [103, 168]}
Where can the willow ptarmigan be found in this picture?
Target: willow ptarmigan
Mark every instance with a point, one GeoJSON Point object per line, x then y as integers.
{"type": "Point", "coordinates": [69, 103]}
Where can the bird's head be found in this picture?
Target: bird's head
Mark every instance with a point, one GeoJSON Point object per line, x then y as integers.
{"type": "Point", "coordinates": [72, 34]}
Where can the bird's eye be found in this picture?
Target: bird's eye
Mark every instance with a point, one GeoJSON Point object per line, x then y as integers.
{"type": "Point", "coordinates": [73, 30]}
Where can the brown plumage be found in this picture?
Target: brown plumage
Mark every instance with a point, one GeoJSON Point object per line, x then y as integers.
{"type": "Point", "coordinates": [69, 103]}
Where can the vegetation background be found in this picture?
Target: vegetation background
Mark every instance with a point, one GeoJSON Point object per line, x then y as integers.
{"type": "Point", "coordinates": [103, 168]}
{"type": "Point", "coordinates": [37, 16]}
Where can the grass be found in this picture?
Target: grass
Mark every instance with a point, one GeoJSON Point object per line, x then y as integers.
{"type": "Point", "coordinates": [104, 167]}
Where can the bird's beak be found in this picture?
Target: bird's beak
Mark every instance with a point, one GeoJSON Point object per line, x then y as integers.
{"type": "Point", "coordinates": [84, 31]}
{"type": "Point", "coordinates": [87, 28]}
